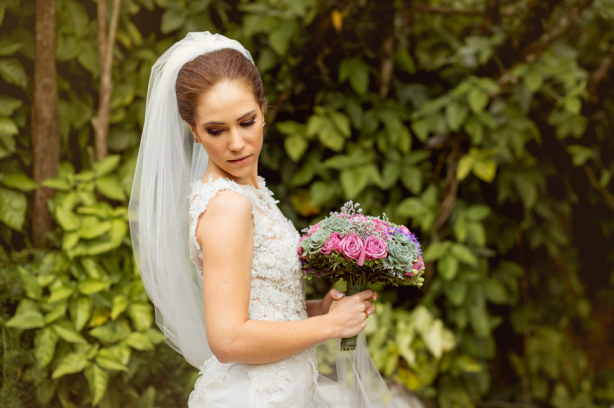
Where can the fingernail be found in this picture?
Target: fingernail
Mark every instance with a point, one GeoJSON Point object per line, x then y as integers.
{"type": "Point", "coordinates": [375, 297]}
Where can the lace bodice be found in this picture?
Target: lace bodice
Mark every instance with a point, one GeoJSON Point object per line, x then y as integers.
{"type": "Point", "coordinates": [277, 287]}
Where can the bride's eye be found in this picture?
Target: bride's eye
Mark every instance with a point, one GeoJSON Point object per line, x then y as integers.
{"type": "Point", "coordinates": [246, 124]}
{"type": "Point", "coordinates": [214, 132]}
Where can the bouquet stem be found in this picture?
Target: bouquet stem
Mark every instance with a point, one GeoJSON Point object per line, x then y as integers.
{"type": "Point", "coordinates": [350, 342]}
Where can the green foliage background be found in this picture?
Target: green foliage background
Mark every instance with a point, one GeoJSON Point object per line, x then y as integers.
{"type": "Point", "coordinates": [489, 134]}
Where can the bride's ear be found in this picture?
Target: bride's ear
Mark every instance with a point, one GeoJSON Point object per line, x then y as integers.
{"type": "Point", "coordinates": [196, 139]}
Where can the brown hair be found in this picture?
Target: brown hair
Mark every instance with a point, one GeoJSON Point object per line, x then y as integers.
{"type": "Point", "coordinates": [205, 71]}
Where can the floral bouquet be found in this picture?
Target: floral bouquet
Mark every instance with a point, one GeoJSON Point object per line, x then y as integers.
{"type": "Point", "coordinates": [360, 250]}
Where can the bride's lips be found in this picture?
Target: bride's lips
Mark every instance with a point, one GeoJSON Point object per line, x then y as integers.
{"type": "Point", "coordinates": [241, 160]}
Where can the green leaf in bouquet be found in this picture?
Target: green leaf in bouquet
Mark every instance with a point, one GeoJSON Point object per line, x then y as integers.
{"type": "Point", "coordinates": [67, 332]}
{"type": "Point", "coordinates": [45, 341]}
{"type": "Point", "coordinates": [80, 311]}
{"type": "Point", "coordinates": [72, 363]}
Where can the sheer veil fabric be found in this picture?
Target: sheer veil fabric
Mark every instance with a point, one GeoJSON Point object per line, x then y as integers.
{"type": "Point", "coordinates": [168, 161]}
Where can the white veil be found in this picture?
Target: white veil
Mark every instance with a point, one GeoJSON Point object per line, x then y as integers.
{"type": "Point", "coordinates": [158, 209]}
{"type": "Point", "coordinates": [168, 160]}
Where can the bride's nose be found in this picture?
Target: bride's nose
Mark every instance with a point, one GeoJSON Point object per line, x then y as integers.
{"type": "Point", "coordinates": [235, 142]}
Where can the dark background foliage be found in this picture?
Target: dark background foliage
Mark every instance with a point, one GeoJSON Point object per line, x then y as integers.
{"type": "Point", "coordinates": [484, 126]}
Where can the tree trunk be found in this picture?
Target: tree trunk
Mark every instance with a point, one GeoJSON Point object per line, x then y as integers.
{"type": "Point", "coordinates": [45, 118]}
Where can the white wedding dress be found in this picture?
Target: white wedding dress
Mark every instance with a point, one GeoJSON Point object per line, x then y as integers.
{"type": "Point", "coordinates": [277, 293]}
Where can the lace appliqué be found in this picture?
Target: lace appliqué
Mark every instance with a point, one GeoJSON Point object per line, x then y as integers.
{"type": "Point", "coordinates": [277, 285]}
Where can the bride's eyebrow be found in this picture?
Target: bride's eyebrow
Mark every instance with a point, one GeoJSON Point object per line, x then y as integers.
{"type": "Point", "coordinates": [238, 119]}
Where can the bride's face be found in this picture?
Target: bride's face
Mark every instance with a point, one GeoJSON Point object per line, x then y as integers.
{"type": "Point", "coordinates": [228, 123]}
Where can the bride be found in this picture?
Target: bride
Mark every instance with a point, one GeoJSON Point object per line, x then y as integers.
{"type": "Point", "coordinates": [218, 258]}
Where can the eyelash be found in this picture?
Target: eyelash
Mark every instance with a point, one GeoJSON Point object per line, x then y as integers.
{"type": "Point", "coordinates": [217, 132]}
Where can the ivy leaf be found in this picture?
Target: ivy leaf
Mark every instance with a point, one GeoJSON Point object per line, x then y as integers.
{"type": "Point", "coordinates": [44, 346]}
{"type": "Point", "coordinates": [436, 251]}
{"type": "Point", "coordinates": [478, 212]}
{"type": "Point", "coordinates": [19, 181]}
{"type": "Point", "coordinates": [97, 380]}
{"type": "Point", "coordinates": [120, 304]}
{"type": "Point", "coordinates": [12, 72]}
{"type": "Point", "coordinates": [455, 291]}
{"type": "Point", "coordinates": [80, 310]}
{"type": "Point", "coordinates": [72, 363]}
{"type": "Point", "coordinates": [463, 254]}
{"type": "Point", "coordinates": [107, 359]}
{"type": "Point", "coordinates": [29, 319]}
{"type": "Point", "coordinates": [141, 315]}
{"type": "Point", "coordinates": [464, 166]}
{"type": "Point", "coordinates": [495, 291]}
{"type": "Point", "coordinates": [412, 179]}
{"type": "Point", "coordinates": [456, 113]}
{"type": "Point", "coordinates": [106, 165]}
{"type": "Point", "coordinates": [67, 332]}
{"type": "Point", "coordinates": [109, 187]}
{"type": "Point", "coordinates": [295, 147]}
{"type": "Point", "coordinates": [580, 154]}
{"type": "Point", "coordinates": [485, 169]}
{"type": "Point", "coordinates": [447, 267]}
{"type": "Point", "coordinates": [281, 36]}
{"type": "Point", "coordinates": [91, 285]}
{"type": "Point", "coordinates": [172, 19]}
{"type": "Point", "coordinates": [353, 181]}
{"type": "Point", "coordinates": [33, 289]}
{"type": "Point", "coordinates": [139, 341]}
{"type": "Point", "coordinates": [478, 100]}
{"type": "Point", "coordinates": [479, 320]}
{"type": "Point", "coordinates": [13, 206]}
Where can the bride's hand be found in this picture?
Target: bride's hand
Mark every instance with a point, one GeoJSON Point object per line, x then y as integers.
{"type": "Point", "coordinates": [335, 294]}
{"type": "Point", "coordinates": [348, 315]}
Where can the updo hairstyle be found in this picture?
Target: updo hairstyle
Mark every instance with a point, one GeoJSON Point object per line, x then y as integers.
{"type": "Point", "coordinates": [205, 71]}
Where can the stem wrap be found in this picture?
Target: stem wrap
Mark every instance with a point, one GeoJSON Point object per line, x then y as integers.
{"type": "Point", "coordinates": [350, 342]}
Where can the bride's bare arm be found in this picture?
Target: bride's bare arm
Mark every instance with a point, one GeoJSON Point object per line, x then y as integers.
{"type": "Point", "coordinates": [225, 232]}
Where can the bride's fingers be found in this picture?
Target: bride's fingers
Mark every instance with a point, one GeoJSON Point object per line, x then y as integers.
{"type": "Point", "coordinates": [336, 294]}
{"type": "Point", "coordinates": [365, 294]}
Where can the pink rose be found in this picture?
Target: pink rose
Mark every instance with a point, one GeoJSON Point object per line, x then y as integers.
{"type": "Point", "coordinates": [405, 230]}
{"type": "Point", "coordinates": [375, 247]}
{"type": "Point", "coordinates": [351, 247]}
{"type": "Point", "coordinates": [418, 265]}
{"type": "Point", "coordinates": [300, 248]}
{"type": "Point", "coordinates": [360, 217]}
{"type": "Point", "coordinates": [380, 225]}
{"type": "Point", "coordinates": [313, 229]}
{"type": "Point", "coordinates": [332, 243]}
